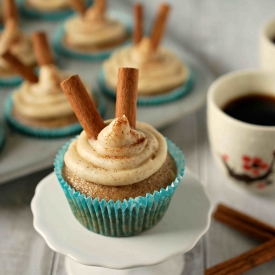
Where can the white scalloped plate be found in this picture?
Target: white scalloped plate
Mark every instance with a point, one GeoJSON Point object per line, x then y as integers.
{"type": "Point", "coordinates": [186, 220]}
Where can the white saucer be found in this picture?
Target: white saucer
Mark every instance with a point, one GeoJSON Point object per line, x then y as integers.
{"type": "Point", "coordinates": [186, 220]}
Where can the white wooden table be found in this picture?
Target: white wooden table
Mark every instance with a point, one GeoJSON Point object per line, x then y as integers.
{"type": "Point", "coordinates": [224, 34]}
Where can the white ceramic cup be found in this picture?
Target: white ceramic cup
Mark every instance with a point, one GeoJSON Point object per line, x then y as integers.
{"type": "Point", "coordinates": [267, 47]}
{"type": "Point", "coordinates": [244, 151]}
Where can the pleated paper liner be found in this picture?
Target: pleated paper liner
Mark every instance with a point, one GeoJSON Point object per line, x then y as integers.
{"type": "Point", "coordinates": [120, 218]}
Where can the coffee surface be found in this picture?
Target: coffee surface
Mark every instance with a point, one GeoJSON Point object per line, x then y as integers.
{"type": "Point", "coordinates": [254, 109]}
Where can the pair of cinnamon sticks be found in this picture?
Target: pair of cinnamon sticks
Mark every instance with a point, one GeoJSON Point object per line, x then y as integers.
{"type": "Point", "coordinates": [85, 109]}
{"type": "Point", "coordinates": [158, 27]}
{"type": "Point", "coordinates": [43, 55]}
{"type": "Point", "coordinates": [10, 10]}
{"type": "Point", "coordinates": [252, 227]}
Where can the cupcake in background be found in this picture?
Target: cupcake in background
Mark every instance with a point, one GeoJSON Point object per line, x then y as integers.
{"type": "Point", "coordinates": [119, 175]}
{"type": "Point", "coordinates": [48, 9]}
{"type": "Point", "coordinates": [163, 76]}
{"type": "Point", "coordinates": [39, 107]}
{"type": "Point", "coordinates": [17, 42]}
{"type": "Point", "coordinates": [93, 34]}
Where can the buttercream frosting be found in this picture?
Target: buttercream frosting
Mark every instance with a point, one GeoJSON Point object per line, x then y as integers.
{"type": "Point", "coordinates": [49, 5]}
{"type": "Point", "coordinates": [18, 44]}
{"type": "Point", "coordinates": [119, 156]}
{"type": "Point", "coordinates": [92, 29]}
{"type": "Point", "coordinates": [44, 99]}
{"type": "Point", "coordinates": [159, 70]}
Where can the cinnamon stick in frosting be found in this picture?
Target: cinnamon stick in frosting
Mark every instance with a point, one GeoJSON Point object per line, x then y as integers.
{"type": "Point", "coordinates": [159, 25]}
{"type": "Point", "coordinates": [83, 106]}
{"type": "Point", "coordinates": [100, 5]}
{"type": "Point", "coordinates": [126, 97]}
{"type": "Point", "coordinates": [42, 49]}
{"type": "Point", "coordinates": [10, 10]}
{"type": "Point", "coordinates": [25, 71]}
{"type": "Point", "coordinates": [78, 6]}
{"type": "Point", "coordinates": [138, 18]}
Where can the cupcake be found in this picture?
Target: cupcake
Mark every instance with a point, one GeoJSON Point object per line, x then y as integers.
{"type": "Point", "coordinates": [39, 107]}
{"type": "Point", "coordinates": [18, 43]}
{"type": "Point", "coordinates": [119, 175]}
{"type": "Point", "coordinates": [48, 10]}
{"type": "Point", "coordinates": [162, 78]}
{"type": "Point", "coordinates": [93, 34]}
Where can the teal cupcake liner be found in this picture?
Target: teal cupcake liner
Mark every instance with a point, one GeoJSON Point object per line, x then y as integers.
{"type": "Point", "coordinates": [10, 81]}
{"type": "Point", "coordinates": [120, 219]}
{"type": "Point", "coordinates": [2, 136]}
{"type": "Point", "coordinates": [151, 100]}
{"type": "Point", "coordinates": [45, 132]}
{"type": "Point", "coordinates": [61, 48]}
{"type": "Point", "coordinates": [31, 13]}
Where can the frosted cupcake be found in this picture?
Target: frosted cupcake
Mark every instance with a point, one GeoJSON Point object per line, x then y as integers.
{"type": "Point", "coordinates": [92, 34]}
{"type": "Point", "coordinates": [163, 77]}
{"type": "Point", "coordinates": [48, 10]}
{"type": "Point", "coordinates": [39, 107]}
{"type": "Point", "coordinates": [18, 43]}
{"type": "Point", "coordinates": [118, 176]}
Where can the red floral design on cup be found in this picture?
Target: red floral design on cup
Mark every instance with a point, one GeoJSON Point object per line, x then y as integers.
{"type": "Point", "coordinates": [255, 170]}
{"type": "Point", "coordinates": [254, 165]}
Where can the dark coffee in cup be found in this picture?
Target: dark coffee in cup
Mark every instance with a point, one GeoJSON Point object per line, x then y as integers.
{"type": "Point", "coordinates": [258, 109]}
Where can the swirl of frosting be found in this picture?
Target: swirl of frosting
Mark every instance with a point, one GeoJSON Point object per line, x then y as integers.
{"type": "Point", "coordinates": [44, 99]}
{"type": "Point", "coordinates": [18, 44]}
{"type": "Point", "coordinates": [49, 5]}
{"type": "Point", "coordinates": [93, 29]}
{"type": "Point", "coordinates": [159, 71]}
{"type": "Point", "coordinates": [120, 155]}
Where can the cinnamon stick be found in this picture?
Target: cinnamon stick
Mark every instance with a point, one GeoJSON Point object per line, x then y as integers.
{"type": "Point", "coordinates": [126, 98]}
{"type": "Point", "coordinates": [19, 67]}
{"type": "Point", "coordinates": [244, 228]}
{"type": "Point", "coordinates": [244, 223]}
{"type": "Point", "coordinates": [159, 25]}
{"type": "Point", "coordinates": [42, 49]}
{"type": "Point", "coordinates": [246, 261]}
{"type": "Point", "coordinates": [83, 106]}
{"type": "Point", "coordinates": [138, 17]}
{"type": "Point", "coordinates": [100, 5]}
{"type": "Point", "coordinates": [78, 6]}
{"type": "Point", "coordinates": [10, 10]}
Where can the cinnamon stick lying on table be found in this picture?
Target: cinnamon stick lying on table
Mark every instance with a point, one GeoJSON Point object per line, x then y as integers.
{"type": "Point", "coordinates": [246, 261]}
{"type": "Point", "coordinates": [244, 223]}
{"type": "Point", "coordinates": [126, 97]}
{"type": "Point", "coordinates": [83, 106]}
{"type": "Point", "coordinates": [42, 49]}
{"type": "Point", "coordinates": [25, 71]}
{"type": "Point", "coordinates": [138, 17]}
{"type": "Point", "coordinates": [159, 25]}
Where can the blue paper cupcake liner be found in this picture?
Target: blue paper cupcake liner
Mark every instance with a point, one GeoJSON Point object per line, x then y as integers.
{"type": "Point", "coordinates": [120, 219]}
{"type": "Point", "coordinates": [9, 81]}
{"type": "Point", "coordinates": [2, 136]}
{"type": "Point", "coordinates": [32, 13]}
{"type": "Point", "coordinates": [60, 47]}
{"type": "Point", "coordinates": [46, 132]}
{"type": "Point", "coordinates": [151, 100]}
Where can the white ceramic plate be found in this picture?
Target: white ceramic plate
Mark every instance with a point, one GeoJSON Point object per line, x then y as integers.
{"type": "Point", "coordinates": [186, 220]}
